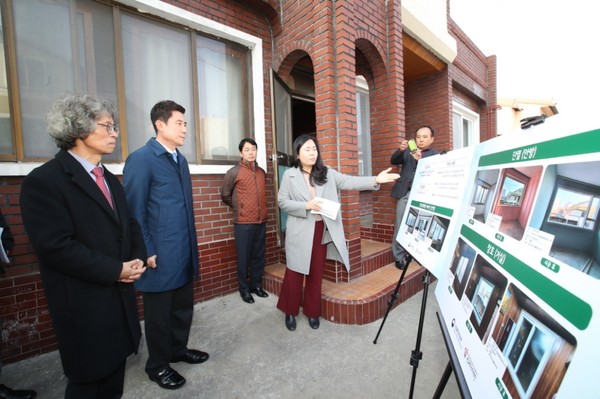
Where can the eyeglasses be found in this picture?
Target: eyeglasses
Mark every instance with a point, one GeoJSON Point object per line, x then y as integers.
{"type": "Point", "coordinates": [110, 128]}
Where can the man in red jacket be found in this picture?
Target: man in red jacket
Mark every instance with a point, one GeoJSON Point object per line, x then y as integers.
{"type": "Point", "coordinates": [244, 190]}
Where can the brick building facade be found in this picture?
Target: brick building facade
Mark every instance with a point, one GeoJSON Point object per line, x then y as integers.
{"type": "Point", "coordinates": [316, 49]}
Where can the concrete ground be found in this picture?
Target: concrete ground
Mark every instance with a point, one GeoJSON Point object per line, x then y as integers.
{"type": "Point", "coordinates": [253, 355]}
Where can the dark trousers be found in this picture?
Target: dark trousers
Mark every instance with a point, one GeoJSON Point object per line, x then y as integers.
{"type": "Point", "coordinates": [250, 246]}
{"type": "Point", "coordinates": [291, 288]}
{"type": "Point", "coordinates": [109, 387]}
{"type": "Point", "coordinates": [397, 250]}
{"type": "Point", "coordinates": [167, 322]}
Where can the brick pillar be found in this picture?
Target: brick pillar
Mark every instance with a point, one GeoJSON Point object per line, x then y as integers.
{"type": "Point", "coordinates": [387, 118]}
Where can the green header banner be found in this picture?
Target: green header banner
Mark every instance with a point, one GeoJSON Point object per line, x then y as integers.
{"type": "Point", "coordinates": [571, 307]}
{"type": "Point", "coordinates": [577, 144]}
{"type": "Point", "coordinates": [433, 208]}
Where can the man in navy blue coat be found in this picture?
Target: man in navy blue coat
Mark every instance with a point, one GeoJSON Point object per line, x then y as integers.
{"type": "Point", "coordinates": [158, 187]}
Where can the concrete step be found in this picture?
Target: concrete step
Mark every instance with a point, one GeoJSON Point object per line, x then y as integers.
{"type": "Point", "coordinates": [363, 299]}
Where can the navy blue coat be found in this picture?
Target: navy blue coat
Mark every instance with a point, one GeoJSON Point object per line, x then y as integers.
{"type": "Point", "coordinates": [81, 244]}
{"type": "Point", "coordinates": [159, 194]}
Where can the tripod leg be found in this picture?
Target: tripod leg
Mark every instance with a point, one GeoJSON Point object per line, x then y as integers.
{"type": "Point", "coordinates": [393, 297]}
{"type": "Point", "coordinates": [417, 354]}
{"type": "Point", "coordinates": [443, 381]}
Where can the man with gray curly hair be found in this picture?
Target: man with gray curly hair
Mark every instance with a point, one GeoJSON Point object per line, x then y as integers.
{"type": "Point", "coordinates": [89, 248]}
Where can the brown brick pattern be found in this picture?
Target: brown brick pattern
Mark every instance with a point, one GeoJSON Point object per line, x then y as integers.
{"type": "Point", "coordinates": [355, 37]}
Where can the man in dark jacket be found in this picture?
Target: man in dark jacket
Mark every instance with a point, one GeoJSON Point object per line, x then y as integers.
{"type": "Point", "coordinates": [401, 190]}
{"type": "Point", "coordinates": [158, 187]}
{"type": "Point", "coordinates": [8, 242]}
{"type": "Point", "coordinates": [244, 190]}
{"type": "Point", "coordinates": [89, 248]}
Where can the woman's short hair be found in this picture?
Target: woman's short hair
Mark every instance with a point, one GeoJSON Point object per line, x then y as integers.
{"type": "Point", "coordinates": [74, 117]}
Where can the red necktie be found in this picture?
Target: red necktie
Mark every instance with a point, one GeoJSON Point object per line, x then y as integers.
{"type": "Point", "coordinates": [99, 173]}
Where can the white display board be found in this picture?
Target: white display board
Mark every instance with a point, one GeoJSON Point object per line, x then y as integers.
{"type": "Point", "coordinates": [511, 229]}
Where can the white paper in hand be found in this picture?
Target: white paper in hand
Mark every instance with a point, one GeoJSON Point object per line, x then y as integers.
{"type": "Point", "coordinates": [329, 208]}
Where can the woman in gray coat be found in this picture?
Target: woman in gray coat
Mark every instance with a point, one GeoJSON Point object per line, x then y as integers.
{"type": "Point", "coordinates": [311, 238]}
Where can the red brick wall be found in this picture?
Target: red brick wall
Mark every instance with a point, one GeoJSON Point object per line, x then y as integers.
{"type": "Point", "coordinates": [26, 325]}
{"type": "Point", "coordinates": [381, 64]}
{"type": "Point", "coordinates": [27, 328]}
{"type": "Point", "coordinates": [356, 37]}
{"type": "Point", "coordinates": [362, 45]}
{"type": "Point", "coordinates": [427, 103]}
{"type": "Point", "coordinates": [473, 76]}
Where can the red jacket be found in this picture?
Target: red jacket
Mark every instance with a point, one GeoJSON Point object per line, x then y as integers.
{"type": "Point", "coordinates": [244, 190]}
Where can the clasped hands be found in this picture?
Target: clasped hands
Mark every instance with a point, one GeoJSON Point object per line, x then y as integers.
{"type": "Point", "coordinates": [132, 271]}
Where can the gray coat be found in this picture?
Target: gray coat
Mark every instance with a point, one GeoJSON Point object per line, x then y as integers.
{"type": "Point", "coordinates": [300, 226]}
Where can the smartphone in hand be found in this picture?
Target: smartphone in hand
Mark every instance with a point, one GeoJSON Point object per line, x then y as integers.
{"type": "Point", "coordinates": [412, 146]}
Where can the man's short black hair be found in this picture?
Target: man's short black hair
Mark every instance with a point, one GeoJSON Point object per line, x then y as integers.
{"type": "Point", "coordinates": [162, 111]}
{"type": "Point", "coordinates": [428, 127]}
{"type": "Point", "coordinates": [247, 140]}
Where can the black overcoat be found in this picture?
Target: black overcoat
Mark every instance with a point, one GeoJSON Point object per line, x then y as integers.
{"type": "Point", "coordinates": [81, 244]}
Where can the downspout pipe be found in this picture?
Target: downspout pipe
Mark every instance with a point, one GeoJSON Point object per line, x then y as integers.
{"type": "Point", "coordinates": [335, 87]}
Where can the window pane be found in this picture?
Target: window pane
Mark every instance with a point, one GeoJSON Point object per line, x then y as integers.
{"type": "Point", "coordinates": [519, 342]}
{"type": "Point", "coordinates": [63, 47]}
{"type": "Point", "coordinates": [532, 357]}
{"type": "Point", "coordinates": [481, 194]}
{"type": "Point", "coordinates": [462, 266]}
{"type": "Point", "coordinates": [528, 352]}
{"type": "Point", "coordinates": [574, 208]}
{"type": "Point", "coordinates": [410, 220]}
{"type": "Point", "coordinates": [464, 127]}
{"type": "Point", "coordinates": [512, 192]}
{"type": "Point", "coordinates": [466, 131]}
{"type": "Point", "coordinates": [592, 214]}
{"type": "Point", "coordinates": [364, 133]}
{"type": "Point", "coordinates": [483, 292]}
{"type": "Point", "coordinates": [6, 141]}
{"type": "Point", "coordinates": [283, 117]}
{"type": "Point", "coordinates": [457, 132]}
{"type": "Point", "coordinates": [223, 71]}
{"type": "Point", "coordinates": [157, 67]}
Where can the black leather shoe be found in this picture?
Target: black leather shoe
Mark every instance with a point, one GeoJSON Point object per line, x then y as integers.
{"type": "Point", "coordinates": [167, 378]}
{"type": "Point", "coordinates": [290, 322]}
{"type": "Point", "coordinates": [259, 292]}
{"type": "Point", "coordinates": [9, 393]}
{"type": "Point", "coordinates": [192, 356]}
{"type": "Point", "coordinates": [313, 322]}
{"type": "Point", "coordinates": [246, 297]}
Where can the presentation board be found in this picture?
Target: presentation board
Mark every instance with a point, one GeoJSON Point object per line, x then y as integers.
{"type": "Point", "coordinates": [510, 228]}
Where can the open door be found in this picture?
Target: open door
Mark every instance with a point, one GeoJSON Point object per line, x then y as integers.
{"type": "Point", "coordinates": [293, 114]}
{"type": "Point", "coordinates": [282, 140]}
